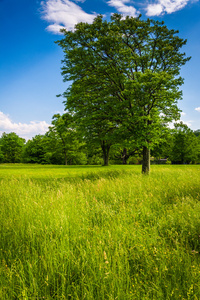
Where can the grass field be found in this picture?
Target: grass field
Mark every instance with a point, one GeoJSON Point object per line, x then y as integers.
{"type": "Point", "coordinates": [99, 232]}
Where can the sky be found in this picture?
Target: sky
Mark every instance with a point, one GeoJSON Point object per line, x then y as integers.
{"type": "Point", "coordinates": [30, 61]}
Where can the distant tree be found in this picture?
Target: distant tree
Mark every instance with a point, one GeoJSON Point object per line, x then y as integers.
{"type": "Point", "coordinates": [164, 147]}
{"type": "Point", "coordinates": [71, 145]}
{"type": "Point", "coordinates": [53, 149]}
{"type": "Point", "coordinates": [48, 149]}
{"type": "Point", "coordinates": [11, 146]}
{"type": "Point", "coordinates": [125, 78]}
{"type": "Point", "coordinates": [36, 150]}
{"type": "Point", "coordinates": [185, 147]}
{"type": "Point", "coordinates": [124, 150]}
{"type": "Point", "coordinates": [1, 155]}
{"type": "Point", "coordinates": [197, 132]}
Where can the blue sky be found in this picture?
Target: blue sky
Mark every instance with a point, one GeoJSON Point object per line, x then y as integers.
{"type": "Point", "coordinates": [30, 61]}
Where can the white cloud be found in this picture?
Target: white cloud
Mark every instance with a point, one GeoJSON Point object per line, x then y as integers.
{"type": "Point", "coordinates": [197, 109]}
{"type": "Point", "coordinates": [64, 13]}
{"type": "Point", "coordinates": [55, 28]}
{"type": "Point", "coordinates": [154, 9]}
{"type": "Point", "coordinates": [165, 6]}
{"type": "Point", "coordinates": [122, 8]}
{"type": "Point", "coordinates": [26, 131]}
{"type": "Point", "coordinates": [183, 114]}
{"type": "Point", "coordinates": [188, 123]}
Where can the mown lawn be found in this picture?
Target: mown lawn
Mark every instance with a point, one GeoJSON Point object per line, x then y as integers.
{"type": "Point", "coordinates": [99, 232]}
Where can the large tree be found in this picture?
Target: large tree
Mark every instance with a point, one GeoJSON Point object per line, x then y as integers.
{"type": "Point", "coordinates": [127, 72]}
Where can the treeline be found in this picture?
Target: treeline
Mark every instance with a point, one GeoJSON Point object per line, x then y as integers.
{"type": "Point", "coordinates": [64, 143]}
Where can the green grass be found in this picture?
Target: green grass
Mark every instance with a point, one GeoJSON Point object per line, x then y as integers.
{"type": "Point", "coordinates": [99, 233]}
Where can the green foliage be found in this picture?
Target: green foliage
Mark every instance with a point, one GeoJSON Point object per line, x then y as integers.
{"type": "Point", "coordinates": [197, 132]}
{"type": "Point", "coordinates": [11, 148]}
{"type": "Point", "coordinates": [36, 150]}
{"type": "Point", "coordinates": [99, 233]}
{"type": "Point", "coordinates": [125, 79]}
{"type": "Point", "coordinates": [126, 152]}
{"type": "Point", "coordinates": [186, 147]}
{"type": "Point", "coordinates": [1, 155]}
{"type": "Point", "coordinates": [57, 146]}
{"type": "Point", "coordinates": [68, 138]}
{"type": "Point", "coordinates": [164, 147]}
{"type": "Point", "coordinates": [95, 160]}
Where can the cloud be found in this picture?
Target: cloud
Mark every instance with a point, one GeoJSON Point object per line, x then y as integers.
{"type": "Point", "coordinates": [188, 123]}
{"type": "Point", "coordinates": [183, 114]}
{"type": "Point", "coordinates": [64, 13]}
{"type": "Point", "coordinates": [26, 131]}
{"type": "Point", "coordinates": [122, 8]}
{"type": "Point", "coordinates": [67, 13]}
{"type": "Point", "coordinates": [165, 6]}
{"type": "Point", "coordinates": [55, 28]}
{"type": "Point", "coordinates": [197, 109]}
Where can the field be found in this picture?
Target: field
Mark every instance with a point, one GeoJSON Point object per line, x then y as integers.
{"type": "Point", "coordinates": [99, 232]}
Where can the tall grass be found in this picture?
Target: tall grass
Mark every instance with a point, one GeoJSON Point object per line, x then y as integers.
{"type": "Point", "coordinates": [99, 233]}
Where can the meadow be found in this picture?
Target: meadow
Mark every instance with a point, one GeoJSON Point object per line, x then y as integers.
{"type": "Point", "coordinates": [90, 232]}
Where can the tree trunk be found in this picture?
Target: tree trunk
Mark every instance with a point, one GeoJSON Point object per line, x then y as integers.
{"type": "Point", "coordinates": [124, 157]}
{"type": "Point", "coordinates": [106, 150]}
{"type": "Point", "coordinates": [146, 161]}
{"type": "Point", "coordinates": [65, 158]}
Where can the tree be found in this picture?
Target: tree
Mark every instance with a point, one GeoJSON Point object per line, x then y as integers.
{"type": "Point", "coordinates": [36, 150]}
{"type": "Point", "coordinates": [125, 149]}
{"type": "Point", "coordinates": [126, 74]}
{"type": "Point", "coordinates": [96, 132]}
{"type": "Point", "coordinates": [11, 147]}
{"type": "Point", "coordinates": [90, 112]}
{"type": "Point", "coordinates": [1, 155]}
{"type": "Point", "coordinates": [186, 148]}
{"type": "Point", "coordinates": [48, 149]}
{"type": "Point", "coordinates": [197, 132]}
{"type": "Point", "coordinates": [71, 146]}
{"type": "Point", "coordinates": [164, 147]}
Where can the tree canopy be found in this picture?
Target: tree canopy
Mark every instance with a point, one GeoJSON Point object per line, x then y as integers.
{"type": "Point", "coordinates": [11, 147]}
{"type": "Point", "coordinates": [125, 75]}
{"type": "Point", "coordinates": [66, 133]}
{"type": "Point", "coordinates": [186, 148]}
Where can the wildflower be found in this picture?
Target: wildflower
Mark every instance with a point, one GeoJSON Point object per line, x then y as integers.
{"type": "Point", "coordinates": [105, 257]}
